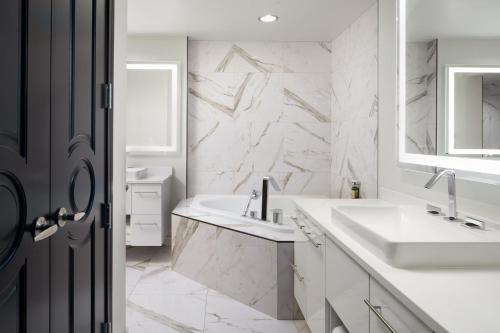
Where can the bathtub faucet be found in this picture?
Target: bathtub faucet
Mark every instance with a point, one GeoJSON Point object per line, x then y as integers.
{"type": "Point", "coordinates": [265, 194]}
{"type": "Point", "coordinates": [254, 195]}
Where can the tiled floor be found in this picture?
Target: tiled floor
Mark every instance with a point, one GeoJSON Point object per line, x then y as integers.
{"type": "Point", "coordinates": [161, 300]}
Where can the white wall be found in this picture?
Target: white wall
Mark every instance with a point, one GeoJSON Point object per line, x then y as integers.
{"type": "Point", "coordinates": [119, 113]}
{"type": "Point", "coordinates": [258, 108]}
{"type": "Point", "coordinates": [476, 198]}
{"type": "Point", "coordinates": [163, 49]}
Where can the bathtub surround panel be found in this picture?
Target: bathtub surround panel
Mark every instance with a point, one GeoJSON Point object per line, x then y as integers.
{"type": "Point", "coordinates": [355, 107]}
{"type": "Point", "coordinates": [246, 270]}
{"type": "Point", "coordinates": [286, 300]}
{"type": "Point", "coordinates": [259, 108]}
{"type": "Point", "coordinates": [251, 270]}
{"type": "Point", "coordinates": [193, 250]}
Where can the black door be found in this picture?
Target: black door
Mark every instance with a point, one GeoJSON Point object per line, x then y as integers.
{"type": "Point", "coordinates": [78, 165]}
{"type": "Point", "coordinates": [54, 149]}
{"type": "Point", "coordinates": [24, 164]}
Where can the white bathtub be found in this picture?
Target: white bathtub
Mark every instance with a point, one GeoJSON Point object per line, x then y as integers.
{"type": "Point", "coordinates": [231, 207]}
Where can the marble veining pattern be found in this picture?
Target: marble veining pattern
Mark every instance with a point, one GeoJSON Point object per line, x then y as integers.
{"type": "Point", "coordinates": [355, 107]}
{"type": "Point", "coordinates": [258, 108]}
{"type": "Point", "coordinates": [421, 101]}
{"type": "Point", "coordinates": [239, 265]}
{"type": "Point", "coordinates": [163, 301]}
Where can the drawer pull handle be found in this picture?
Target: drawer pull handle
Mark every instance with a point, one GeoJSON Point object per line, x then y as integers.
{"type": "Point", "coordinates": [308, 235]}
{"type": "Point", "coordinates": [150, 193]}
{"type": "Point", "coordinates": [296, 220]}
{"type": "Point", "coordinates": [375, 310]}
{"type": "Point", "coordinates": [146, 224]}
{"type": "Point", "coordinates": [296, 271]}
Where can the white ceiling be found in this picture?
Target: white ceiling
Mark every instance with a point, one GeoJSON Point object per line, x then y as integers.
{"type": "Point", "coordinates": [300, 20]}
{"type": "Point", "coordinates": [430, 19]}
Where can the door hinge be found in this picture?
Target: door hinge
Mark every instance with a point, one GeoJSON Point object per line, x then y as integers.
{"type": "Point", "coordinates": [106, 215]}
{"type": "Point", "coordinates": [106, 327]}
{"type": "Point", "coordinates": [107, 96]}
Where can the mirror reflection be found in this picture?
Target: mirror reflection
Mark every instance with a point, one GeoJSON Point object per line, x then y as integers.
{"type": "Point", "coordinates": [473, 109]}
{"type": "Point", "coordinates": [452, 65]}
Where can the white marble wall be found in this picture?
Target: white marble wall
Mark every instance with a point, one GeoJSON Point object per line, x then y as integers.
{"type": "Point", "coordinates": [258, 108]}
{"type": "Point", "coordinates": [421, 102]}
{"type": "Point", "coordinates": [254, 271]}
{"type": "Point", "coordinates": [355, 107]}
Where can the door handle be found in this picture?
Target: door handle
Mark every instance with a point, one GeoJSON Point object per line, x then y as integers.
{"type": "Point", "coordinates": [63, 216]}
{"type": "Point", "coordinates": [43, 229]}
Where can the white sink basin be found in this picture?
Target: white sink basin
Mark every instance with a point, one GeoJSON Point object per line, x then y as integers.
{"type": "Point", "coordinates": [406, 236]}
{"type": "Point", "coordinates": [137, 173]}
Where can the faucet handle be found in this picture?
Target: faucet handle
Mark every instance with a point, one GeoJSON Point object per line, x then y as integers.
{"type": "Point", "coordinates": [255, 194]}
{"type": "Point", "coordinates": [273, 182]}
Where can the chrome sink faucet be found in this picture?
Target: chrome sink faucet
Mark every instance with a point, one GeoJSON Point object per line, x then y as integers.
{"type": "Point", "coordinates": [265, 194]}
{"type": "Point", "coordinates": [452, 190]}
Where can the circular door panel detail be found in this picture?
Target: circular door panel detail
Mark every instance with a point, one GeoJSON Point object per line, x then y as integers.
{"type": "Point", "coordinates": [13, 215]}
{"type": "Point", "coordinates": [82, 187]}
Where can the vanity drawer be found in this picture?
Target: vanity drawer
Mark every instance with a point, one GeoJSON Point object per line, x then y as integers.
{"type": "Point", "coordinates": [146, 230]}
{"type": "Point", "coordinates": [146, 199]}
{"type": "Point", "coordinates": [347, 286]}
{"type": "Point", "coordinates": [299, 271]}
{"type": "Point", "coordinates": [315, 285]}
{"type": "Point", "coordinates": [395, 313]}
{"type": "Point", "coordinates": [303, 222]}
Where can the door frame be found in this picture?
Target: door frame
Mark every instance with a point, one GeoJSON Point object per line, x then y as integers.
{"type": "Point", "coordinates": [110, 13]}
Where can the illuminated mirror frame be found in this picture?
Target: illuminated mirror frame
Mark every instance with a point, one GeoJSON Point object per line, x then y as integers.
{"type": "Point", "coordinates": [476, 165]}
{"type": "Point", "coordinates": [451, 71]}
{"type": "Point", "coordinates": [174, 127]}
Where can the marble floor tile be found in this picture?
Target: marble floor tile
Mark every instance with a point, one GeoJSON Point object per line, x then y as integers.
{"type": "Point", "coordinates": [160, 300]}
{"type": "Point", "coordinates": [162, 280]}
{"type": "Point", "coordinates": [184, 313]}
{"type": "Point", "coordinates": [133, 275]}
{"type": "Point", "coordinates": [252, 326]}
{"type": "Point", "coordinates": [223, 314]}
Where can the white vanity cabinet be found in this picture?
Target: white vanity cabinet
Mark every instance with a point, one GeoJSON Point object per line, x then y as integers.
{"type": "Point", "coordinates": [309, 281]}
{"type": "Point", "coordinates": [147, 204]}
{"type": "Point", "coordinates": [393, 312]}
{"type": "Point", "coordinates": [362, 304]}
{"type": "Point", "coordinates": [347, 285]}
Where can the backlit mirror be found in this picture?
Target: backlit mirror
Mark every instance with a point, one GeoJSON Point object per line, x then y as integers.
{"type": "Point", "coordinates": [449, 84]}
{"type": "Point", "coordinates": [153, 107]}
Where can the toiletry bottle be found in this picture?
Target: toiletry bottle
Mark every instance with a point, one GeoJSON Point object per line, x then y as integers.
{"type": "Point", "coordinates": [355, 189]}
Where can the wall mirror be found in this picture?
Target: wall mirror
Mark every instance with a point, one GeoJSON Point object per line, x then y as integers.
{"type": "Point", "coordinates": [153, 108]}
{"type": "Point", "coordinates": [449, 84]}
{"type": "Point", "coordinates": [473, 108]}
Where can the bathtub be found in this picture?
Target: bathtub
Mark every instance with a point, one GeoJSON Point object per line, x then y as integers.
{"type": "Point", "coordinates": [231, 208]}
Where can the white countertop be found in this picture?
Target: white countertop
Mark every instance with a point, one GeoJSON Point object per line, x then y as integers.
{"type": "Point", "coordinates": [447, 300]}
{"type": "Point", "coordinates": [156, 179]}
{"type": "Point", "coordinates": [155, 175]}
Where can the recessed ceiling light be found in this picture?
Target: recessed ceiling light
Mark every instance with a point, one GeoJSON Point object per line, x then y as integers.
{"type": "Point", "coordinates": [268, 18]}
